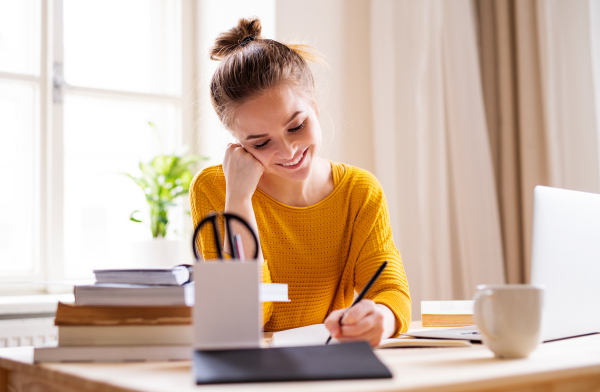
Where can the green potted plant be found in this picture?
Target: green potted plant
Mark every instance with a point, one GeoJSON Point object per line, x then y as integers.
{"type": "Point", "coordinates": [163, 179]}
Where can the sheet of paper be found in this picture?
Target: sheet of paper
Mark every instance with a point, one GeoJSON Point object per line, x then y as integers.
{"type": "Point", "coordinates": [447, 307]}
{"type": "Point", "coordinates": [406, 342]}
{"type": "Point", "coordinates": [310, 335]}
{"type": "Point", "coordinates": [317, 334]}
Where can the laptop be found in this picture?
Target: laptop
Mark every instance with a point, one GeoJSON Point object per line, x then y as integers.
{"type": "Point", "coordinates": [565, 260]}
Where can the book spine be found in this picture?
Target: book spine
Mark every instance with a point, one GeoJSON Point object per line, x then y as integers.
{"type": "Point", "coordinates": [83, 321]}
{"type": "Point", "coordinates": [124, 336]}
{"type": "Point", "coordinates": [111, 354]}
{"type": "Point", "coordinates": [447, 320]}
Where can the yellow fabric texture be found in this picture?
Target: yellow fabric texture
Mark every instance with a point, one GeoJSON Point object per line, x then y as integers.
{"type": "Point", "coordinates": [324, 252]}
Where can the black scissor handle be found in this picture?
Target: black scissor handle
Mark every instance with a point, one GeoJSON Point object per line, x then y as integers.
{"type": "Point", "coordinates": [228, 216]}
{"type": "Point", "coordinates": [212, 218]}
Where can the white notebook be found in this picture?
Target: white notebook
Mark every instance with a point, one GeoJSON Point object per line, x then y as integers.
{"type": "Point", "coordinates": [106, 294]}
{"type": "Point", "coordinates": [317, 334]}
{"type": "Point", "coordinates": [125, 335]}
{"type": "Point", "coordinates": [447, 307]}
{"type": "Point", "coordinates": [111, 353]}
{"type": "Point", "coordinates": [155, 276]}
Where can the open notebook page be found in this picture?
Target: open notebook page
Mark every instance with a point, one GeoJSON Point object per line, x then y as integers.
{"type": "Point", "coordinates": [317, 334]}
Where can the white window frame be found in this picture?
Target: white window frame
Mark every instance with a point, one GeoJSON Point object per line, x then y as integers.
{"type": "Point", "coordinates": [595, 42]}
{"type": "Point", "coordinates": [49, 232]}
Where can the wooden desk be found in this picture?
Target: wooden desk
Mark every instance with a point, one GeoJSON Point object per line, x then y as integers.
{"type": "Point", "coordinates": [567, 365]}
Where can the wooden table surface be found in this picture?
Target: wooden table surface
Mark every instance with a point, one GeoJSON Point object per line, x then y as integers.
{"type": "Point", "coordinates": [565, 365]}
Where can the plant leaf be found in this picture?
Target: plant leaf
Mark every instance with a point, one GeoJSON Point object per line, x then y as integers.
{"type": "Point", "coordinates": [139, 181]}
{"type": "Point", "coordinates": [131, 218]}
{"type": "Point", "coordinates": [162, 180]}
{"type": "Point", "coordinates": [164, 163]}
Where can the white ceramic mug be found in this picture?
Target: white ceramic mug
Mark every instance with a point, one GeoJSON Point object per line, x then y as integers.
{"type": "Point", "coordinates": [509, 318]}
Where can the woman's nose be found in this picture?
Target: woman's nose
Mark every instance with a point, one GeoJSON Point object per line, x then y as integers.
{"type": "Point", "coordinates": [289, 150]}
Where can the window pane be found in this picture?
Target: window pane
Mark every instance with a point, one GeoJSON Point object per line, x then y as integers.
{"type": "Point", "coordinates": [18, 129]}
{"type": "Point", "coordinates": [20, 36]}
{"type": "Point", "coordinates": [132, 45]}
{"type": "Point", "coordinates": [102, 139]}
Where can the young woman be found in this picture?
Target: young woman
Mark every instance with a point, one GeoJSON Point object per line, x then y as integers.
{"type": "Point", "coordinates": [323, 226]}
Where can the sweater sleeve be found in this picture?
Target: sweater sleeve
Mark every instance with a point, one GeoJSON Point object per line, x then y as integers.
{"type": "Point", "coordinates": [391, 289]}
{"type": "Point", "coordinates": [204, 193]}
{"type": "Point", "coordinates": [201, 205]}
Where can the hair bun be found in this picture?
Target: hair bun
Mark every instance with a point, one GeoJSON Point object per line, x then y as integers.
{"type": "Point", "coordinates": [226, 43]}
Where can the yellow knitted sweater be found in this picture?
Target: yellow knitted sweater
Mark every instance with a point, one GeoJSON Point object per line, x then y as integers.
{"type": "Point", "coordinates": [324, 252]}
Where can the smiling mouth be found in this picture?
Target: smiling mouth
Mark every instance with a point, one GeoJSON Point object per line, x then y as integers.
{"type": "Point", "coordinates": [296, 162]}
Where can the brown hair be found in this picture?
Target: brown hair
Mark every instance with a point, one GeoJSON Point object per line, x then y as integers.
{"type": "Point", "coordinates": [251, 64]}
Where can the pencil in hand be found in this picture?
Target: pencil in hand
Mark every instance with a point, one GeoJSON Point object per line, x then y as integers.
{"type": "Point", "coordinates": [364, 292]}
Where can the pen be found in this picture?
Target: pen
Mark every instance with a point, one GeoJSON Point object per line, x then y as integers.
{"type": "Point", "coordinates": [363, 292]}
{"type": "Point", "coordinates": [237, 239]}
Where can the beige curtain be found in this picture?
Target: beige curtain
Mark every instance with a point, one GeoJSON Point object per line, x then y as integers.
{"type": "Point", "coordinates": [567, 74]}
{"type": "Point", "coordinates": [510, 68]}
{"type": "Point", "coordinates": [433, 154]}
{"type": "Point", "coordinates": [536, 68]}
{"type": "Point", "coordinates": [473, 103]}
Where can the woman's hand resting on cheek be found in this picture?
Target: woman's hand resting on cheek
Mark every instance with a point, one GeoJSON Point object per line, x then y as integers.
{"type": "Point", "coordinates": [364, 321]}
{"type": "Point", "coordinates": [242, 173]}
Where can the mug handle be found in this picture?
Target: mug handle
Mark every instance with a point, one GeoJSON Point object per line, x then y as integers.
{"type": "Point", "coordinates": [479, 299]}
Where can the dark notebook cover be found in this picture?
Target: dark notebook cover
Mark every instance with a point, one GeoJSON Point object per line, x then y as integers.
{"type": "Point", "coordinates": [332, 362]}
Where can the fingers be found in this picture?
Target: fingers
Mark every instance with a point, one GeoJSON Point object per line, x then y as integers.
{"type": "Point", "coordinates": [369, 329]}
{"type": "Point", "coordinates": [332, 323]}
{"type": "Point", "coordinates": [359, 311]}
{"type": "Point", "coordinates": [231, 147]}
{"type": "Point", "coordinates": [373, 322]}
{"type": "Point", "coordinates": [242, 172]}
{"type": "Point", "coordinates": [237, 151]}
{"type": "Point", "coordinates": [364, 321]}
{"type": "Point", "coordinates": [234, 145]}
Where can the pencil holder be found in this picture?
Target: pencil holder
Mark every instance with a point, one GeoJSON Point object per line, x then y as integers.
{"type": "Point", "coordinates": [227, 312]}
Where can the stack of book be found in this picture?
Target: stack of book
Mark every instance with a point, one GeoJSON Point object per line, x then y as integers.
{"type": "Point", "coordinates": [447, 313]}
{"type": "Point", "coordinates": [131, 315]}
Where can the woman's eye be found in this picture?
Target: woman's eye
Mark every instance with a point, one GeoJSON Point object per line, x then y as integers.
{"type": "Point", "coordinates": [299, 127]}
{"type": "Point", "coordinates": [259, 146]}
{"type": "Point", "coordinates": [263, 145]}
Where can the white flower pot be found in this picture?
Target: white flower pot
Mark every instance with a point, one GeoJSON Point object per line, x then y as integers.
{"type": "Point", "coordinates": [156, 253]}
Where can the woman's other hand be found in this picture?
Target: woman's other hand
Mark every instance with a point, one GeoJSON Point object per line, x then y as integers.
{"type": "Point", "coordinates": [364, 321]}
{"type": "Point", "coordinates": [242, 172]}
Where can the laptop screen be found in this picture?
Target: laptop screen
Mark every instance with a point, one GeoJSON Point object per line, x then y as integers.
{"type": "Point", "coordinates": [566, 260]}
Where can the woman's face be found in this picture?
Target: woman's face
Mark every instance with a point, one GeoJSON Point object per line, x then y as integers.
{"type": "Point", "coordinates": [281, 130]}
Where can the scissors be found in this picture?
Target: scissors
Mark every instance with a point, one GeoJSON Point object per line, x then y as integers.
{"type": "Point", "coordinates": [212, 218]}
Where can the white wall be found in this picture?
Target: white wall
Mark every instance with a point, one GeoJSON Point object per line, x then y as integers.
{"type": "Point", "coordinates": [339, 30]}
{"type": "Point", "coordinates": [214, 18]}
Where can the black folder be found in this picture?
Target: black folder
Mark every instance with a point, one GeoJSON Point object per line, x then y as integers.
{"type": "Point", "coordinates": [354, 360]}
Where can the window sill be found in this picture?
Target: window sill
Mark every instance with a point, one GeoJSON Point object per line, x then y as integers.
{"type": "Point", "coordinates": [30, 306]}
